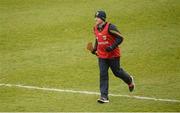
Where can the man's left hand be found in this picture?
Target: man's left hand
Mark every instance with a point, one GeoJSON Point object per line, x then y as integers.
{"type": "Point", "coordinates": [109, 49]}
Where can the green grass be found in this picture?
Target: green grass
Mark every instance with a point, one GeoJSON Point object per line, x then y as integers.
{"type": "Point", "coordinates": [42, 43]}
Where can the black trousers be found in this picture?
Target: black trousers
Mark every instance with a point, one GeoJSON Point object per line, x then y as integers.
{"type": "Point", "coordinates": [114, 64]}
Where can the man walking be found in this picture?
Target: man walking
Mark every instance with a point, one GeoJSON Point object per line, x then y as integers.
{"type": "Point", "coordinates": [106, 48]}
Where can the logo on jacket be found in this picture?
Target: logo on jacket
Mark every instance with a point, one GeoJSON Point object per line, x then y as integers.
{"type": "Point", "coordinates": [104, 37]}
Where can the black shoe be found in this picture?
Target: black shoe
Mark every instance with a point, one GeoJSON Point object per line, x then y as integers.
{"type": "Point", "coordinates": [103, 100]}
{"type": "Point", "coordinates": [132, 85]}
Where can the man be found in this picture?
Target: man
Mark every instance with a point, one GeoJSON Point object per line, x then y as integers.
{"type": "Point", "coordinates": [106, 48]}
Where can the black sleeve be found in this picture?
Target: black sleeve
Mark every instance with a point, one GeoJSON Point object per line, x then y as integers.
{"type": "Point", "coordinates": [96, 43]}
{"type": "Point", "coordinates": [95, 47]}
{"type": "Point", "coordinates": [115, 32]}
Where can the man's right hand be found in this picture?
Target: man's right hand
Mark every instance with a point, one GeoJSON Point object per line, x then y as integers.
{"type": "Point", "coordinates": [94, 52]}
{"type": "Point", "coordinates": [90, 48]}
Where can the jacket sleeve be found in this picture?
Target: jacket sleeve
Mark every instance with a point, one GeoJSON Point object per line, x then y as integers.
{"type": "Point", "coordinates": [115, 32]}
{"type": "Point", "coordinates": [95, 44]}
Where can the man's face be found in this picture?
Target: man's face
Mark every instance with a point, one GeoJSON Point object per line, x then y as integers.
{"type": "Point", "coordinates": [98, 20]}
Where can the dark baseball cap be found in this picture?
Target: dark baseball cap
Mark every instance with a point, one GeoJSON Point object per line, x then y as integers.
{"type": "Point", "coordinates": [101, 14]}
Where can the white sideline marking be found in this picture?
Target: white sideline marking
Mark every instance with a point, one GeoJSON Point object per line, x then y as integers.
{"type": "Point", "coordinates": [88, 92]}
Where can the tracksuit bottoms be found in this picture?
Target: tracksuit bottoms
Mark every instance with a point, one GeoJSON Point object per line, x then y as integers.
{"type": "Point", "coordinates": [114, 64]}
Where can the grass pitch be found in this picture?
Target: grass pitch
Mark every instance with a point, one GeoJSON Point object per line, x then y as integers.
{"type": "Point", "coordinates": [42, 43]}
